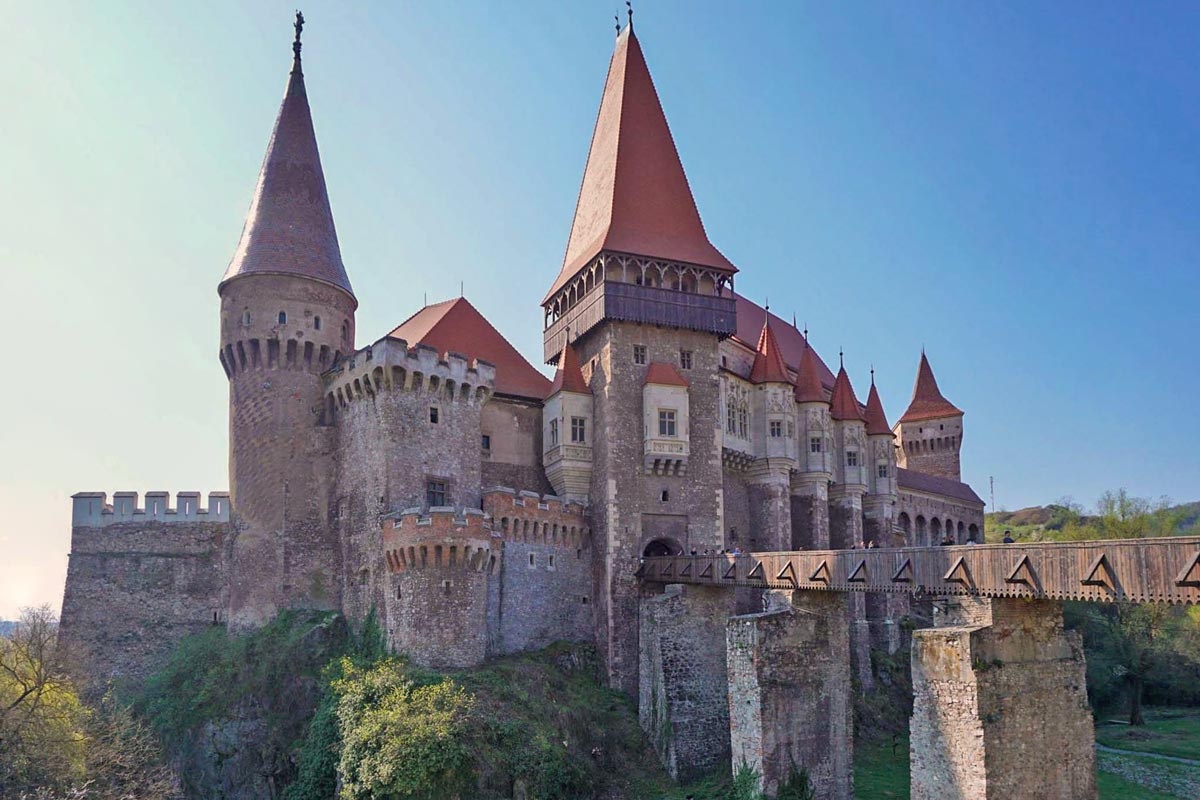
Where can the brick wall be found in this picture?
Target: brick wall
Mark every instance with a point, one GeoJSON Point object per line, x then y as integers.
{"type": "Point", "coordinates": [135, 589]}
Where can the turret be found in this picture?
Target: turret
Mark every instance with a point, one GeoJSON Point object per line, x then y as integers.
{"type": "Point", "coordinates": [567, 430]}
{"type": "Point", "coordinates": [814, 468]}
{"type": "Point", "coordinates": [849, 467]}
{"type": "Point", "coordinates": [880, 500]}
{"type": "Point", "coordinates": [287, 315]}
{"type": "Point", "coordinates": [768, 479]}
{"type": "Point", "coordinates": [931, 430]}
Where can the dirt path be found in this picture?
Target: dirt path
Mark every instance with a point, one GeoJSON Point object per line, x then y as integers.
{"type": "Point", "coordinates": [1143, 754]}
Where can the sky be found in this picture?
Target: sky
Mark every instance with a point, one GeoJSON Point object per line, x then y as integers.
{"type": "Point", "coordinates": [1012, 186]}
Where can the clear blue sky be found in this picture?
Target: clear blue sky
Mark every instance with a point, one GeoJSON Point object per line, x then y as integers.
{"type": "Point", "coordinates": [1013, 185]}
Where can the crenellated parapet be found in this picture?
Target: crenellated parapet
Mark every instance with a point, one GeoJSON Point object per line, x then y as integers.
{"type": "Point", "coordinates": [530, 518]}
{"type": "Point", "coordinates": [391, 365]}
{"type": "Point", "coordinates": [437, 538]}
{"type": "Point", "coordinates": [92, 509]}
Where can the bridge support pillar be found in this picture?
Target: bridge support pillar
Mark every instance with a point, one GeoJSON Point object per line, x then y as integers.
{"type": "Point", "coordinates": [846, 531]}
{"type": "Point", "coordinates": [683, 686]}
{"type": "Point", "coordinates": [790, 700]}
{"type": "Point", "coordinates": [810, 511]}
{"type": "Point", "coordinates": [1000, 704]}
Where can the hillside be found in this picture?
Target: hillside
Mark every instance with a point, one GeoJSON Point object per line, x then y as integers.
{"type": "Point", "coordinates": [1117, 515]}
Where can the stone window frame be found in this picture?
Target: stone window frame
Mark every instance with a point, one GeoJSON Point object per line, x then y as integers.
{"type": "Point", "coordinates": [668, 423]}
{"type": "Point", "coordinates": [553, 432]}
{"type": "Point", "coordinates": [685, 359]}
{"type": "Point", "coordinates": [485, 441]}
{"type": "Point", "coordinates": [775, 427]}
{"type": "Point", "coordinates": [435, 414]}
{"type": "Point", "coordinates": [814, 445]}
{"type": "Point", "coordinates": [639, 355]}
{"type": "Point", "coordinates": [578, 430]}
{"type": "Point", "coordinates": [851, 458]}
{"type": "Point", "coordinates": [282, 318]}
{"type": "Point", "coordinates": [317, 322]}
{"type": "Point", "coordinates": [881, 470]}
{"type": "Point", "coordinates": [533, 560]}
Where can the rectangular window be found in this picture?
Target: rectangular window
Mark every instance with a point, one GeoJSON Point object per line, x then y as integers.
{"type": "Point", "coordinates": [776, 429]}
{"type": "Point", "coordinates": [666, 422]}
{"type": "Point", "coordinates": [433, 414]}
{"type": "Point", "coordinates": [851, 458]}
{"type": "Point", "coordinates": [883, 472]}
{"type": "Point", "coordinates": [639, 354]}
{"type": "Point", "coordinates": [532, 561]}
{"type": "Point", "coordinates": [814, 444]}
{"type": "Point", "coordinates": [550, 564]}
{"type": "Point", "coordinates": [685, 359]}
{"type": "Point", "coordinates": [487, 442]}
{"type": "Point", "coordinates": [731, 419]}
{"type": "Point", "coordinates": [743, 421]}
{"type": "Point", "coordinates": [578, 430]}
{"type": "Point", "coordinates": [553, 432]}
{"type": "Point", "coordinates": [435, 493]}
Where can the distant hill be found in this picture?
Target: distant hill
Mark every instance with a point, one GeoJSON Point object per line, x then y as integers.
{"type": "Point", "coordinates": [1057, 521]}
{"type": "Point", "coordinates": [7, 627]}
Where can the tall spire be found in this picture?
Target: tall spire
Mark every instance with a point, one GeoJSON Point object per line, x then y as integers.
{"type": "Point", "coordinates": [769, 366]}
{"type": "Point", "coordinates": [844, 405]}
{"type": "Point", "coordinates": [877, 424]}
{"type": "Point", "coordinates": [635, 196]}
{"type": "Point", "coordinates": [289, 229]}
{"type": "Point", "coordinates": [927, 400]}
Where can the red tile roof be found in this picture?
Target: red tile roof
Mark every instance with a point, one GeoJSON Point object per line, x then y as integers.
{"type": "Point", "coordinates": [927, 401]}
{"type": "Point", "coordinates": [769, 366]}
{"type": "Point", "coordinates": [569, 376]}
{"type": "Point", "coordinates": [635, 196]}
{"type": "Point", "coordinates": [456, 326]}
{"type": "Point", "coordinates": [933, 484]}
{"type": "Point", "coordinates": [289, 227]}
{"type": "Point", "coordinates": [808, 380]}
{"type": "Point", "coordinates": [877, 424]}
{"type": "Point", "coordinates": [844, 405]}
{"type": "Point", "coordinates": [665, 375]}
{"type": "Point", "coordinates": [750, 320]}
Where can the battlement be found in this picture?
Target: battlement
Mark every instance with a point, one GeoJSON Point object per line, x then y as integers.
{"type": "Point", "coordinates": [391, 365]}
{"type": "Point", "coordinates": [440, 537]}
{"type": "Point", "coordinates": [530, 518]}
{"type": "Point", "coordinates": [92, 509]}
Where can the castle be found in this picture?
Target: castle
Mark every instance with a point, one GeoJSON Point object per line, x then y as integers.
{"type": "Point", "coordinates": [437, 476]}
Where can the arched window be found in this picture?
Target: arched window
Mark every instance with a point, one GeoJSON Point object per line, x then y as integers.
{"type": "Point", "coordinates": [905, 524]}
{"type": "Point", "coordinates": [922, 537]}
{"type": "Point", "coordinates": [283, 318]}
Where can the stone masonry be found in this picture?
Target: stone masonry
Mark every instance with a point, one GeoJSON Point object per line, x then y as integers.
{"type": "Point", "coordinates": [1000, 707]}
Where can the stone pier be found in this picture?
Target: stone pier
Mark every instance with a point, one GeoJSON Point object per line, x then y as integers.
{"type": "Point", "coordinates": [790, 701]}
{"type": "Point", "coordinates": [683, 689]}
{"type": "Point", "coordinates": [1000, 704]}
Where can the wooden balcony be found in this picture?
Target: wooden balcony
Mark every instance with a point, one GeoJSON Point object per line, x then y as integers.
{"type": "Point", "coordinates": [628, 302]}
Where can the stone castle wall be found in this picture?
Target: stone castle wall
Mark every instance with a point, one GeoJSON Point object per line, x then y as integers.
{"type": "Point", "coordinates": [138, 581]}
{"type": "Point", "coordinates": [514, 458]}
{"type": "Point", "coordinates": [932, 446]}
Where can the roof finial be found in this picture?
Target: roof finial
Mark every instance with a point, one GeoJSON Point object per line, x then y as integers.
{"type": "Point", "coordinates": [841, 358]}
{"type": "Point", "coordinates": [872, 374]}
{"type": "Point", "coordinates": [767, 304]}
{"type": "Point", "coordinates": [461, 289]}
{"type": "Point", "coordinates": [299, 26]}
{"type": "Point", "coordinates": [617, 23]}
{"type": "Point", "coordinates": [794, 321]}
{"type": "Point", "coordinates": [629, 6]}
{"type": "Point", "coordinates": [806, 334]}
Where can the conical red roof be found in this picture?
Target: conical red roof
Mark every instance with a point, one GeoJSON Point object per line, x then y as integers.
{"type": "Point", "coordinates": [289, 228]}
{"type": "Point", "coordinates": [769, 366]}
{"type": "Point", "coordinates": [635, 196]}
{"type": "Point", "coordinates": [877, 424]}
{"type": "Point", "coordinates": [569, 376]}
{"type": "Point", "coordinates": [844, 405]}
{"type": "Point", "coordinates": [808, 380]}
{"type": "Point", "coordinates": [927, 401]}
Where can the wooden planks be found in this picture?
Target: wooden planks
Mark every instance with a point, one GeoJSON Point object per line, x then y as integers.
{"type": "Point", "coordinates": [1137, 570]}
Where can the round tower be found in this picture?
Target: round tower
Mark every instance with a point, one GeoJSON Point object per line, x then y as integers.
{"type": "Point", "coordinates": [287, 315]}
{"type": "Point", "coordinates": [810, 483]}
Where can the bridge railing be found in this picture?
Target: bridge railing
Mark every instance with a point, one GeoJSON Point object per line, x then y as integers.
{"type": "Point", "coordinates": [1138, 570]}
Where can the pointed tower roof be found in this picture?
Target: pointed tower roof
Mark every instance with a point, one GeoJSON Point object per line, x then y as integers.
{"type": "Point", "coordinates": [927, 401]}
{"type": "Point", "coordinates": [769, 366]}
{"type": "Point", "coordinates": [808, 379]}
{"type": "Point", "coordinates": [289, 228]}
{"type": "Point", "coordinates": [569, 376]}
{"type": "Point", "coordinates": [457, 326]}
{"type": "Point", "coordinates": [844, 405]}
{"type": "Point", "coordinates": [635, 196]}
{"type": "Point", "coordinates": [877, 424]}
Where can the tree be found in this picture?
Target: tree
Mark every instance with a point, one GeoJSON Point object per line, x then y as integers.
{"type": "Point", "coordinates": [42, 739]}
{"type": "Point", "coordinates": [1131, 640]}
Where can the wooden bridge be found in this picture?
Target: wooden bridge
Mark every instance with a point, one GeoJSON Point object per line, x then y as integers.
{"type": "Point", "coordinates": [1137, 570]}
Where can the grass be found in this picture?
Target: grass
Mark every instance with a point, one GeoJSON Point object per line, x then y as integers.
{"type": "Point", "coordinates": [1168, 732]}
{"type": "Point", "coordinates": [881, 771]}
